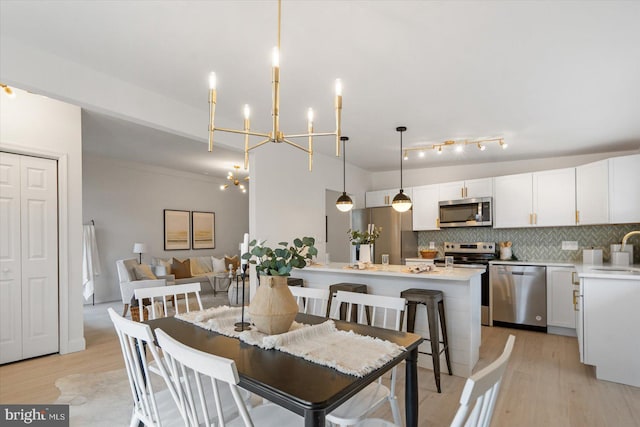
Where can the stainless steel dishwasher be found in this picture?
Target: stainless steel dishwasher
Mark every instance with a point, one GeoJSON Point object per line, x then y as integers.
{"type": "Point", "coordinates": [519, 295]}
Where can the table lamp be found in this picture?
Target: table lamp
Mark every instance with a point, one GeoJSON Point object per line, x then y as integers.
{"type": "Point", "coordinates": [139, 248]}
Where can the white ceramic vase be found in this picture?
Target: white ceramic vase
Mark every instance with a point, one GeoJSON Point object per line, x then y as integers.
{"type": "Point", "coordinates": [365, 253]}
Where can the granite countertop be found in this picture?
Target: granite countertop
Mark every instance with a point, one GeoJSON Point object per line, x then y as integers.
{"type": "Point", "coordinates": [397, 271]}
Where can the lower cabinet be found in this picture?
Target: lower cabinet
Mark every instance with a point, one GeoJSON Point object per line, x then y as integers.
{"type": "Point", "coordinates": [560, 299]}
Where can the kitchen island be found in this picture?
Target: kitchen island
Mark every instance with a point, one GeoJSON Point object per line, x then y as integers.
{"type": "Point", "coordinates": [461, 288]}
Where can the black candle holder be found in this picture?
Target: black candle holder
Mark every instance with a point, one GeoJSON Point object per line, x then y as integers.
{"type": "Point", "coordinates": [242, 325]}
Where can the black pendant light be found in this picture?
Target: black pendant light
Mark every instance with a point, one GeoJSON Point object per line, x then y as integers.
{"type": "Point", "coordinates": [401, 202]}
{"type": "Point", "coordinates": [344, 202]}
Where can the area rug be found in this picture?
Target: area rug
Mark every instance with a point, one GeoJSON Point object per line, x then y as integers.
{"type": "Point", "coordinates": [98, 400]}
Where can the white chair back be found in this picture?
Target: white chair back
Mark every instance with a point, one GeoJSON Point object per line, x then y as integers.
{"type": "Point", "coordinates": [480, 392]}
{"type": "Point", "coordinates": [311, 300]}
{"type": "Point", "coordinates": [134, 338]}
{"type": "Point", "coordinates": [385, 312]}
{"type": "Point", "coordinates": [162, 292]}
{"type": "Point", "coordinates": [186, 365]}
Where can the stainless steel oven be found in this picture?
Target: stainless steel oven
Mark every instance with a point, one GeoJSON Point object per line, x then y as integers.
{"type": "Point", "coordinates": [475, 255]}
{"type": "Point", "coordinates": [466, 213]}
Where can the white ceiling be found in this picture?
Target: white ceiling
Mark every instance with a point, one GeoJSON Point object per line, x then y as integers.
{"type": "Point", "coordinates": [554, 78]}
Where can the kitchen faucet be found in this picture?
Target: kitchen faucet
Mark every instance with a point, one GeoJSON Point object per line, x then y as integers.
{"type": "Point", "coordinates": [626, 236]}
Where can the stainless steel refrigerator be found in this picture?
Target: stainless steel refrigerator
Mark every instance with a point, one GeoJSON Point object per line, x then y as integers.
{"type": "Point", "coordinates": [397, 237]}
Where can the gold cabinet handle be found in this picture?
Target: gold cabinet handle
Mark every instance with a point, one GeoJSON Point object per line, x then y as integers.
{"type": "Point", "coordinates": [575, 301]}
{"type": "Point", "coordinates": [462, 192]}
{"type": "Point", "coordinates": [437, 222]}
{"type": "Point", "coordinates": [530, 219]}
{"type": "Point", "coordinates": [577, 217]}
{"type": "Point", "coordinates": [535, 218]}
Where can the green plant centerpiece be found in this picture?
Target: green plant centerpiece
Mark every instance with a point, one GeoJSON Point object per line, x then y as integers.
{"type": "Point", "coordinates": [280, 261]}
{"type": "Point", "coordinates": [273, 307]}
{"type": "Point", "coordinates": [368, 237]}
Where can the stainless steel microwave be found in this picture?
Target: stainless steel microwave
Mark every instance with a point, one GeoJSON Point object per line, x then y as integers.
{"type": "Point", "coordinates": [466, 213]}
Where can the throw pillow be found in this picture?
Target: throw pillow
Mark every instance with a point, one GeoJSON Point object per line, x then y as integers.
{"type": "Point", "coordinates": [234, 261]}
{"type": "Point", "coordinates": [218, 265]}
{"type": "Point", "coordinates": [181, 270]}
{"type": "Point", "coordinates": [200, 265]}
{"type": "Point", "coordinates": [143, 272]}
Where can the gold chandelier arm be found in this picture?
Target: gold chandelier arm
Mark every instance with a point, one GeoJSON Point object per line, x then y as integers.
{"type": "Point", "coordinates": [243, 132]}
{"type": "Point", "coordinates": [304, 135]}
{"type": "Point", "coordinates": [259, 144]}
{"type": "Point", "coordinates": [293, 144]}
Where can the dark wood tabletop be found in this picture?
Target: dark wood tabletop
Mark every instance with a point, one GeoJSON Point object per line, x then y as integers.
{"type": "Point", "coordinates": [306, 388]}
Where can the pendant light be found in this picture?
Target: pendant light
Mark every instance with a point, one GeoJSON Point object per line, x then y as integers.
{"type": "Point", "coordinates": [401, 202]}
{"type": "Point", "coordinates": [344, 202]}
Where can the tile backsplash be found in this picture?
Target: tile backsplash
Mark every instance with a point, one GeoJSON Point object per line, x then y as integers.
{"type": "Point", "coordinates": [541, 243]}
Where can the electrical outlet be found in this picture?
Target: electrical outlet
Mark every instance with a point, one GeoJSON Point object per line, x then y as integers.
{"type": "Point", "coordinates": [569, 245]}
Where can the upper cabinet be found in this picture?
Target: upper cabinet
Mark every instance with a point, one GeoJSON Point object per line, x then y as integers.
{"type": "Point", "coordinates": [467, 189]}
{"type": "Point", "coordinates": [375, 199]}
{"type": "Point", "coordinates": [624, 189]}
{"type": "Point", "coordinates": [592, 193]}
{"type": "Point", "coordinates": [425, 207]}
{"type": "Point", "coordinates": [513, 201]}
{"type": "Point", "coordinates": [554, 197]}
{"type": "Point", "coordinates": [540, 199]}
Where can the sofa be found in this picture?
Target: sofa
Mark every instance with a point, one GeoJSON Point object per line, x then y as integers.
{"type": "Point", "coordinates": [203, 269]}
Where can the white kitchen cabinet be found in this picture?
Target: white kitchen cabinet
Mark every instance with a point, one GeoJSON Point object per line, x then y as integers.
{"type": "Point", "coordinates": [624, 191]}
{"type": "Point", "coordinates": [468, 189]}
{"type": "Point", "coordinates": [560, 300]}
{"type": "Point", "coordinates": [378, 198]}
{"type": "Point", "coordinates": [610, 333]}
{"type": "Point", "coordinates": [513, 201]}
{"type": "Point", "coordinates": [554, 197]}
{"type": "Point", "coordinates": [592, 193]}
{"type": "Point", "coordinates": [542, 199]}
{"type": "Point", "coordinates": [425, 207]}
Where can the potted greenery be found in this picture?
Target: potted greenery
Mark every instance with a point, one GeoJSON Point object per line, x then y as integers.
{"type": "Point", "coordinates": [365, 239]}
{"type": "Point", "coordinates": [273, 307]}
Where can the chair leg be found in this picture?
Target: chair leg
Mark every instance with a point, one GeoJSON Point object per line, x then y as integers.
{"type": "Point", "coordinates": [126, 308]}
{"type": "Point", "coordinates": [435, 344]}
{"type": "Point", "coordinates": [395, 410]}
{"type": "Point", "coordinates": [445, 339]}
{"type": "Point", "coordinates": [411, 316]}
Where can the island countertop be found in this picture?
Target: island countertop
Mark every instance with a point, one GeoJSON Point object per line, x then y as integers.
{"type": "Point", "coordinates": [398, 271]}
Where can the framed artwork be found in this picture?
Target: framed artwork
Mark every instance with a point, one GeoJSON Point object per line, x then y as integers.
{"type": "Point", "coordinates": [176, 230]}
{"type": "Point", "coordinates": [203, 230]}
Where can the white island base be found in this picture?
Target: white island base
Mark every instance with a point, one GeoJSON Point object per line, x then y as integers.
{"type": "Point", "coordinates": [461, 288]}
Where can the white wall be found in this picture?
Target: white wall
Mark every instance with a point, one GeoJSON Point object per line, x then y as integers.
{"type": "Point", "coordinates": [126, 200]}
{"type": "Point", "coordinates": [36, 125]}
{"type": "Point", "coordinates": [288, 201]}
{"type": "Point", "coordinates": [435, 175]}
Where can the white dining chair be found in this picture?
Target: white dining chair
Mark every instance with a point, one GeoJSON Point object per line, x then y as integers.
{"type": "Point", "coordinates": [152, 408]}
{"type": "Point", "coordinates": [161, 295]}
{"type": "Point", "coordinates": [385, 312]}
{"type": "Point", "coordinates": [478, 398]}
{"type": "Point", "coordinates": [188, 365]}
{"type": "Point", "coordinates": [311, 300]}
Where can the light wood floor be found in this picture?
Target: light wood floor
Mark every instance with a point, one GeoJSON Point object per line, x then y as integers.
{"type": "Point", "coordinates": [545, 384]}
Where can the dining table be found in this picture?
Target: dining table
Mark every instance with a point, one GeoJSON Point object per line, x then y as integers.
{"type": "Point", "coordinates": [306, 388]}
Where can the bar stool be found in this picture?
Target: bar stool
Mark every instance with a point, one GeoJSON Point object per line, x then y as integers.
{"type": "Point", "coordinates": [349, 287]}
{"type": "Point", "coordinates": [432, 300]}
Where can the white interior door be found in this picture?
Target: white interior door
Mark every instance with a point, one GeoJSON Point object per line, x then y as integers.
{"type": "Point", "coordinates": [10, 268]}
{"type": "Point", "coordinates": [39, 237]}
{"type": "Point", "coordinates": [29, 294]}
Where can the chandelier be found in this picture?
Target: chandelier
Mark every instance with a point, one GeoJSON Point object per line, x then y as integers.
{"type": "Point", "coordinates": [235, 180]}
{"type": "Point", "coordinates": [276, 135]}
{"type": "Point", "coordinates": [458, 146]}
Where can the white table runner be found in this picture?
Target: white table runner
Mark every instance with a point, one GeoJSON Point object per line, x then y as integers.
{"type": "Point", "coordinates": [324, 344]}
